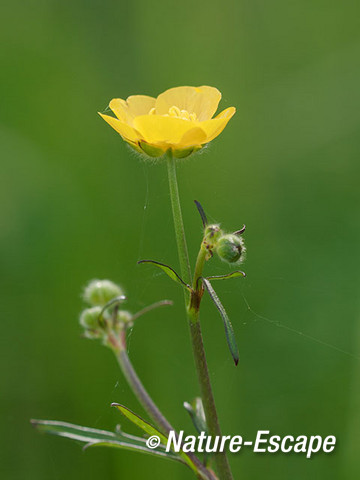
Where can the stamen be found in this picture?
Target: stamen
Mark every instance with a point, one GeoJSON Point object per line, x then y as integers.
{"type": "Point", "coordinates": [183, 114]}
{"type": "Point", "coordinates": [174, 111]}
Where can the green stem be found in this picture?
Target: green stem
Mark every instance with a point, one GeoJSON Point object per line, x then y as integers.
{"type": "Point", "coordinates": [141, 393]}
{"type": "Point", "coordinates": [192, 309]}
{"type": "Point", "coordinates": [178, 221]}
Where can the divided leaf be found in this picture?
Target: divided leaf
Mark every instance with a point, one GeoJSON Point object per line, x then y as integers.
{"type": "Point", "coordinates": [230, 336]}
{"type": "Point", "coordinates": [93, 437]}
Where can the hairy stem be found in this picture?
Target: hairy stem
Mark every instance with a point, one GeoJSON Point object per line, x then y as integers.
{"type": "Point", "coordinates": [141, 393]}
{"type": "Point", "coordinates": [178, 221]}
{"type": "Point", "coordinates": [192, 309]}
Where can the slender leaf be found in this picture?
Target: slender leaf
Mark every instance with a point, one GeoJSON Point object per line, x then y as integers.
{"type": "Point", "coordinates": [150, 430]}
{"type": "Point", "coordinates": [93, 437]}
{"type": "Point", "coordinates": [169, 271]}
{"type": "Point", "coordinates": [230, 336]}
{"type": "Point", "coordinates": [237, 273]}
{"type": "Point", "coordinates": [202, 213]}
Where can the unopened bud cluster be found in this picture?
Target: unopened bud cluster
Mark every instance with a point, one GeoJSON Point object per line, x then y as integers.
{"type": "Point", "coordinates": [103, 316]}
{"type": "Point", "coordinates": [229, 247]}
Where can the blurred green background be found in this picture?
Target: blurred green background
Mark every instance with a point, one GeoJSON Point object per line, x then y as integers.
{"type": "Point", "coordinates": [76, 205]}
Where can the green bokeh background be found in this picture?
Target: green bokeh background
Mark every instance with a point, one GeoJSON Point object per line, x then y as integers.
{"type": "Point", "coordinates": [76, 204]}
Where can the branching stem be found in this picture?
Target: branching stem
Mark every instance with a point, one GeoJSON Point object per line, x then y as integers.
{"type": "Point", "coordinates": [192, 310]}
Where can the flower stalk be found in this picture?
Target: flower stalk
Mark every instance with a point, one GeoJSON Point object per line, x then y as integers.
{"type": "Point", "coordinates": [118, 345]}
{"type": "Point", "coordinates": [119, 349]}
{"type": "Point", "coordinates": [192, 303]}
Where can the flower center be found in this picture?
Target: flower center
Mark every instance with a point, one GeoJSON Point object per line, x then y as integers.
{"type": "Point", "coordinates": [177, 113]}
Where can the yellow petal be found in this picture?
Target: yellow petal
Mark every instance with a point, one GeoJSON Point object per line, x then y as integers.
{"type": "Point", "coordinates": [140, 105]}
{"type": "Point", "coordinates": [158, 129]}
{"type": "Point", "coordinates": [127, 132]}
{"type": "Point", "coordinates": [134, 106]}
{"type": "Point", "coordinates": [200, 100]}
{"type": "Point", "coordinates": [195, 136]}
{"type": "Point", "coordinates": [120, 108]}
{"type": "Point", "coordinates": [216, 125]}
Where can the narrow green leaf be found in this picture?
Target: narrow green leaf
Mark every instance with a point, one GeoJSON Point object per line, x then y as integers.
{"type": "Point", "coordinates": [150, 430]}
{"type": "Point", "coordinates": [93, 437]}
{"type": "Point", "coordinates": [169, 271]}
{"type": "Point", "coordinates": [237, 273]}
{"type": "Point", "coordinates": [230, 336]}
{"type": "Point", "coordinates": [202, 213]}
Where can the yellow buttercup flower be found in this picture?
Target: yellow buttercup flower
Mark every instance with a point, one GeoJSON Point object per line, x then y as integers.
{"type": "Point", "coordinates": [180, 119]}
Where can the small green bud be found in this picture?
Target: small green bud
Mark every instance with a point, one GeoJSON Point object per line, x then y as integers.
{"type": "Point", "coordinates": [230, 248]}
{"type": "Point", "coordinates": [124, 316]}
{"type": "Point", "coordinates": [100, 292]}
{"type": "Point", "coordinates": [123, 319]}
{"type": "Point", "coordinates": [212, 234]}
{"type": "Point", "coordinates": [89, 318]}
{"type": "Point", "coordinates": [93, 334]}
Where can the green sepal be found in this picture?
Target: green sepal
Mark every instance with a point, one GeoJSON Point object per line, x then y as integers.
{"type": "Point", "coordinates": [237, 273]}
{"type": "Point", "coordinates": [151, 150]}
{"type": "Point", "coordinates": [230, 336]}
{"type": "Point", "coordinates": [183, 152]}
{"type": "Point", "coordinates": [135, 146]}
{"type": "Point", "coordinates": [169, 272]}
{"type": "Point", "coordinates": [92, 437]}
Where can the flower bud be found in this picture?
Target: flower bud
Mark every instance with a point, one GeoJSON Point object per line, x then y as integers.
{"type": "Point", "coordinates": [124, 316]}
{"type": "Point", "coordinates": [89, 318]}
{"type": "Point", "coordinates": [93, 334]}
{"type": "Point", "coordinates": [100, 292]}
{"type": "Point", "coordinates": [123, 319]}
{"type": "Point", "coordinates": [230, 248]}
{"type": "Point", "coordinates": [212, 234]}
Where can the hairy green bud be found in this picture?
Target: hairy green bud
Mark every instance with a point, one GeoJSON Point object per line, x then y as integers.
{"type": "Point", "coordinates": [100, 292]}
{"type": "Point", "coordinates": [124, 316]}
{"type": "Point", "coordinates": [89, 318]}
{"type": "Point", "coordinates": [123, 319]}
{"type": "Point", "coordinates": [230, 248]}
{"type": "Point", "coordinates": [212, 234]}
